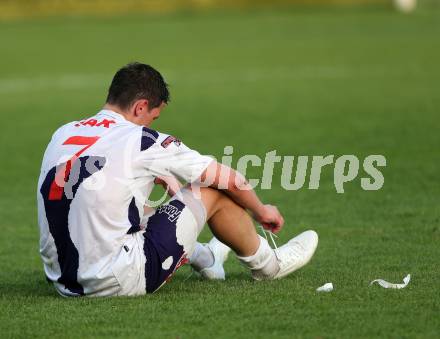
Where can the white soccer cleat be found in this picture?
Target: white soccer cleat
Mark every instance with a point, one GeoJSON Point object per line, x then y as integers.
{"type": "Point", "coordinates": [220, 252]}
{"type": "Point", "coordinates": [296, 253]}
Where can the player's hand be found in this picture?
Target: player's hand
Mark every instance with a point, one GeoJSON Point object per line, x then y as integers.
{"type": "Point", "coordinates": [159, 181]}
{"type": "Point", "coordinates": [270, 218]}
{"type": "Point", "coordinates": [169, 183]}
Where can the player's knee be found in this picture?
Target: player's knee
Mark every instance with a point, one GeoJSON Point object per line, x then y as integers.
{"type": "Point", "coordinates": [222, 201]}
{"type": "Point", "coordinates": [212, 199]}
{"type": "Point", "coordinates": [211, 196]}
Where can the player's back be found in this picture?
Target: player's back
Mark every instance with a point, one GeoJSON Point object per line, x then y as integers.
{"type": "Point", "coordinates": [86, 200]}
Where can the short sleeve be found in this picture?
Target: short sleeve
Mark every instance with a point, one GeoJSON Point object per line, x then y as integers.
{"type": "Point", "coordinates": [169, 156]}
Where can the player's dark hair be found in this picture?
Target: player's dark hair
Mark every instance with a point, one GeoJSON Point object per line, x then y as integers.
{"type": "Point", "coordinates": [137, 81]}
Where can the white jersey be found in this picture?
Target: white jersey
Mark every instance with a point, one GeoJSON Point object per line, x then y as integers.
{"type": "Point", "coordinates": [96, 177]}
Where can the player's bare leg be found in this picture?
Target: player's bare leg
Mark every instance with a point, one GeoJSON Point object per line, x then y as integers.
{"type": "Point", "coordinates": [229, 222]}
{"type": "Point", "coordinates": [233, 226]}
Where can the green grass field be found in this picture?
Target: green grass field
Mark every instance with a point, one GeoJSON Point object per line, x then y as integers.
{"type": "Point", "coordinates": [303, 82]}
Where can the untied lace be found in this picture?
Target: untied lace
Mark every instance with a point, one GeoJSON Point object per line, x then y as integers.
{"type": "Point", "coordinates": [271, 235]}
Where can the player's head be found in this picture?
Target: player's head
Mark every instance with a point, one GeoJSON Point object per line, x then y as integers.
{"type": "Point", "coordinates": [139, 92]}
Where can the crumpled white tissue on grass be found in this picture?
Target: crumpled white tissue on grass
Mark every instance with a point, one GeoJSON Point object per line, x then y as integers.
{"type": "Point", "coordinates": [328, 287]}
{"type": "Point", "coordinates": [386, 284]}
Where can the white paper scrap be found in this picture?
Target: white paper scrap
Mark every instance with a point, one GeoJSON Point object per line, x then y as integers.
{"type": "Point", "coordinates": [328, 287]}
{"type": "Point", "coordinates": [386, 284]}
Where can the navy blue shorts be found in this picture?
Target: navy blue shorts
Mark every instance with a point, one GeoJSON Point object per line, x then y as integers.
{"type": "Point", "coordinates": [164, 252]}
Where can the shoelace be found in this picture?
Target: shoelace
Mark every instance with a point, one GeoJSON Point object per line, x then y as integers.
{"type": "Point", "coordinates": [294, 255]}
{"type": "Point", "coordinates": [271, 235]}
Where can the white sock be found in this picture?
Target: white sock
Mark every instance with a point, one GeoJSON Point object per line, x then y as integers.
{"type": "Point", "coordinates": [202, 257]}
{"type": "Point", "coordinates": [263, 264]}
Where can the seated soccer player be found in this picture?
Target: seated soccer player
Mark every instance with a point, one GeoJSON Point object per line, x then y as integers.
{"type": "Point", "coordinates": [98, 237]}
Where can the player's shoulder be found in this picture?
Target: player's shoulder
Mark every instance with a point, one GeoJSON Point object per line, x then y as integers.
{"type": "Point", "coordinates": [158, 140]}
{"type": "Point", "coordinates": [62, 130]}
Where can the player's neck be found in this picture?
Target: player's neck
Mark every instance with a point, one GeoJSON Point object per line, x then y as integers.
{"type": "Point", "coordinates": [127, 116]}
{"type": "Point", "coordinates": [115, 109]}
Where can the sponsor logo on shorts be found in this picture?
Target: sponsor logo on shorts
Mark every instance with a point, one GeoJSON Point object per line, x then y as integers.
{"type": "Point", "coordinates": [172, 212]}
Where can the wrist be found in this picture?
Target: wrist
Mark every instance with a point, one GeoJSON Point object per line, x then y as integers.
{"type": "Point", "coordinates": [258, 213]}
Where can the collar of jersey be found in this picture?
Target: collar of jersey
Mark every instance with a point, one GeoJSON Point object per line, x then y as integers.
{"type": "Point", "coordinates": [112, 114]}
